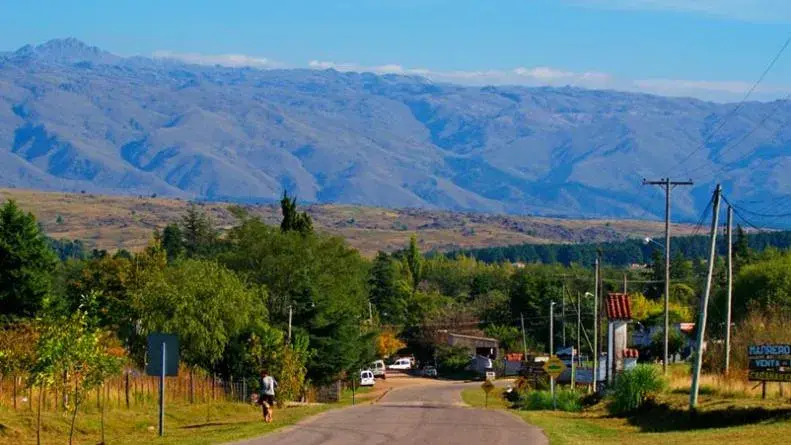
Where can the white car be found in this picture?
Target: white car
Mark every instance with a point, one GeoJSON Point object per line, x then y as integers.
{"type": "Point", "coordinates": [367, 378]}
{"type": "Point", "coordinates": [402, 364]}
{"type": "Point", "coordinates": [379, 369]}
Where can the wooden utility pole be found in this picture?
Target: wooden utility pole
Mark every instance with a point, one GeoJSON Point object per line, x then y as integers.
{"type": "Point", "coordinates": [563, 313]}
{"type": "Point", "coordinates": [668, 186]}
{"type": "Point", "coordinates": [524, 336]}
{"type": "Point", "coordinates": [704, 304]}
{"type": "Point", "coordinates": [596, 327]}
{"type": "Point", "coordinates": [730, 292]}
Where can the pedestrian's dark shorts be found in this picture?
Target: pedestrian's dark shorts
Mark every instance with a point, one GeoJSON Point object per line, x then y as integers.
{"type": "Point", "coordinates": [268, 399]}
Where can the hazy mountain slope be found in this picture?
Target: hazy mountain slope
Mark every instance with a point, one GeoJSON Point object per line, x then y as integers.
{"type": "Point", "coordinates": [73, 117]}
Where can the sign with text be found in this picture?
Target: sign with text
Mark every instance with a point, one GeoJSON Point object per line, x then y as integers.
{"type": "Point", "coordinates": [770, 363]}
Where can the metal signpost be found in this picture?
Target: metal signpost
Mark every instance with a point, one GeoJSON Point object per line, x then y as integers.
{"type": "Point", "coordinates": [769, 363]}
{"type": "Point", "coordinates": [554, 367]}
{"type": "Point", "coordinates": [162, 360]}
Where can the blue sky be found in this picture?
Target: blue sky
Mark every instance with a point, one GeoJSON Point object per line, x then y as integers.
{"type": "Point", "coordinates": [711, 49]}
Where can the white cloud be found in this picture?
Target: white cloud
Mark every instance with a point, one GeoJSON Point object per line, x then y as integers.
{"type": "Point", "coordinates": [536, 76]}
{"type": "Point", "coordinates": [746, 10]}
{"type": "Point", "coordinates": [722, 91]}
{"type": "Point", "coordinates": [231, 60]}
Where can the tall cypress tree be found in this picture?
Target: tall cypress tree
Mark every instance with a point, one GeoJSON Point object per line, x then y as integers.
{"type": "Point", "coordinates": [26, 263]}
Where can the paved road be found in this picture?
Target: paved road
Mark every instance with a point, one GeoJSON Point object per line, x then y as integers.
{"type": "Point", "coordinates": [431, 414]}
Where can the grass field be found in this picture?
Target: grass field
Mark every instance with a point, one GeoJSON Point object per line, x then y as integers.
{"type": "Point", "coordinates": [113, 222]}
{"type": "Point", "coordinates": [188, 424]}
{"type": "Point", "coordinates": [721, 420]}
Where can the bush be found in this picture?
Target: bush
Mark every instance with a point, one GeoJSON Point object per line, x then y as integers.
{"type": "Point", "coordinates": [567, 400]}
{"type": "Point", "coordinates": [634, 388]}
{"type": "Point", "coordinates": [452, 359]}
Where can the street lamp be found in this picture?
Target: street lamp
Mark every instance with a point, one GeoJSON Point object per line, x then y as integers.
{"type": "Point", "coordinates": [649, 240]}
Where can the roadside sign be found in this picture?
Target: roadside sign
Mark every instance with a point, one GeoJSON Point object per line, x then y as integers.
{"type": "Point", "coordinates": [490, 375]}
{"type": "Point", "coordinates": [154, 355]}
{"type": "Point", "coordinates": [487, 386]}
{"type": "Point", "coordinates": [769, 363]}
{"type": "Point", "coordinates": [163, 360]}
{"type": "Point", "coordinates": [554, 367]}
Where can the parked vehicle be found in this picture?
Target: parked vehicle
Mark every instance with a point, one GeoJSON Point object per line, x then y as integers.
{"type": "Point", "coordinates": [367, 378]}
{"type": "Point", "coordinates": [379, 369]}
{"type": "Point", "coordinates": [402, 364]}
{"type": "Point", "coordinates": [430, 371]}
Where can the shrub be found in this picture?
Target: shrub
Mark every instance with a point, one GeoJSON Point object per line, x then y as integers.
{"type": "Point", "coordinates": [634, 388]}
{"type": "Point", "coordinates": [567, 400]}
{"type": "Point", "coordinates": [452, 358]}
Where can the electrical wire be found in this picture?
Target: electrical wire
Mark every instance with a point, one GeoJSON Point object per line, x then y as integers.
{"type": "Point", "coordinates": [737, 107]}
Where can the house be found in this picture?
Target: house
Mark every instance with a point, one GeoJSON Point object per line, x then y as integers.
{"type": "Point", "coordinates": [477, 346]}
{"type": "Point", "coordinates": [619, 315]}
{"type": "Point", "coordinates": [643, 336]}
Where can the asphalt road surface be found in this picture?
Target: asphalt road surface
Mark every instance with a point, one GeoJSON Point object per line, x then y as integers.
{"type": "Point", "coordinates": [431, 414]}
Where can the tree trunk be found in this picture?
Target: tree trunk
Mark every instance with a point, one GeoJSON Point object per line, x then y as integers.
{"type": "Point", "coordinates": [15, 389]}
{"type": "Point", "coordinates": [126, 384]}
{"type": "Point", "coordinates": [73, 420]}
{"type": "Point", "coordinates": [102, 420]}
{"type": "Point", "coordinates": [38, 414]}
{"type": "Point", "coordinates": [192, 387]}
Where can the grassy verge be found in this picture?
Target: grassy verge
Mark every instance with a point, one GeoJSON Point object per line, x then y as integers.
{"type": "Point", "coordinates": [721, 421]}
{"type": "Point", "coordinates": [184, 424]}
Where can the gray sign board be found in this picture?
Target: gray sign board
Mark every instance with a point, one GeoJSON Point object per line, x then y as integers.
{"type": "Point", "coordinates": [154, 354]}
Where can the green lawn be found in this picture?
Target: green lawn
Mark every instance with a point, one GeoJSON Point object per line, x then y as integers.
{"type": "Point", "coordinates": [594, 427]}
{"type": "Point", "coordinates": [184, 424]}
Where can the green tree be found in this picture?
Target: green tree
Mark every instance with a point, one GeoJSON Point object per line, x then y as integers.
{"type": "Point", "coordinates": [292, 219]}
{"type": "Point", "coordinates": [763, 284]}
{"type": "Point", "coordinates": [203, 303]}
{"type": "Point", "coordinates": [199, 234]}
{"type": "Point", "coordinates": [26, 263]}
{"type": "Point", "coordinates": [510, 337]}
{"type": "Point", "coordinates": [386, 290]}
{"type": "Point", "coordinates": [414, 262]}
{"type": "Point", "coordinates": [75, 348]}
{"type": "Point", "coordinates": [172, 240]}
{"type": "Point", "coordinates": [319, 278]}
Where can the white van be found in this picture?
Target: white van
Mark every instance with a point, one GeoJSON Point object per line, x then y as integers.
{"type": "Point", "coordinates": [402, 364]}
{"type": "Point", "coordinates": [367, 378]}
{"type": "Point", "coordinates": [379, 369]}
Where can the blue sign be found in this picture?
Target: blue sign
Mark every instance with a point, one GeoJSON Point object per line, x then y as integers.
{"type": "Point", "coordinates": [154, 354]}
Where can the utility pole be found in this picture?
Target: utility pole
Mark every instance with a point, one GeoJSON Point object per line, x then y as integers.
{"type": "Point", "coordinates": [668, 186]}
{"type": "Point", "coordinates": [625, 284]}
{"type": "Point", "coordinates": [524, 337]}
{"type": "Point", "coordinates": [290, 315]}
{"type": "Point", "coordinates": [596, 327]}
{"type": "Point", "coordinates": [730, 292]}
{"type": "Point", "coordinates": [579, 344]}
{"type": "Point", "coordinates": [552, 346]}
{"type": "Point", "coordinates": [370, 312]}
{"type": "Point", "coordinates": [563, 313]}
{"type": "Point", "coordinates": [704, 304]}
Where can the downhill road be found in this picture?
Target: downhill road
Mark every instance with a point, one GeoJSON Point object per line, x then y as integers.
{"type": "Point", "coordinates": [426, 414]}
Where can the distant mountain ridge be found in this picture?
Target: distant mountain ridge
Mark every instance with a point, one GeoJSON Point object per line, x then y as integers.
{"type": "Point", "coordinates": [74, 117]}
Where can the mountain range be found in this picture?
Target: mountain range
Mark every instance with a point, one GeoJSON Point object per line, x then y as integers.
{"type": "Point", "coordinates": [74, 117]}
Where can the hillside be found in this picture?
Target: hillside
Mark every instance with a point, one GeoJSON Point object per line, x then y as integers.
{"type": "Point", "coordinates": [112, 222]}
{"type": "Point", "coordinates": [74, 117]}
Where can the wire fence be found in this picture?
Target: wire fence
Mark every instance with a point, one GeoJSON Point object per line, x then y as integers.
{"type": "Point", "coordinates": [129, 390]}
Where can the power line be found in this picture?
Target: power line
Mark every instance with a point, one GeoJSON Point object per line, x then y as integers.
{"type": "Point", "coordinates": [739, 105]}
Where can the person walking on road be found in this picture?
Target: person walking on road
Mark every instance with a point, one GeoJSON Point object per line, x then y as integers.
{"type": "Point", "coordinates": [268, 387]}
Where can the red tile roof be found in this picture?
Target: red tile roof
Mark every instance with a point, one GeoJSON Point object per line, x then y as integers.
{"type": "Point", "coordinates": [618, 307]}
{"type": "Point", "coordinates": [631, 353]}
{"type": "Point", "coordinates": [514, 357]}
